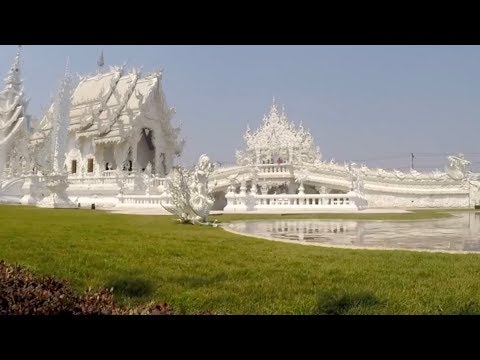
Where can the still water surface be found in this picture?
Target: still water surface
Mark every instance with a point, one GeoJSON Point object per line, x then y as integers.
{"type": "Point", "coordinates": [459, 233]}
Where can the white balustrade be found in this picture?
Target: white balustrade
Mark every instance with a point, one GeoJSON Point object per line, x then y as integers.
{"type": "Point", "coordinates": [143, 201]}
{"type": "Point", "coordinates": [274, 168]}
{"type": "Point", "coordinates": [109, 173]}
{"type": "Point", "coordinates": [91, 180]}
{"type": "Point", "coordinates": [293, 202]}
{"type": "Point", "coordinates": [108, 177]}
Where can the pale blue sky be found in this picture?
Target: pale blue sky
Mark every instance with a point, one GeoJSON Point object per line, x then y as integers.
{"type": "Point", "coordinates": [372, 103]}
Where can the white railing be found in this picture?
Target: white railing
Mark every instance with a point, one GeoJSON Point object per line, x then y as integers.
{"type": "Point", "coordinates": [302, 200]}
{"type": "Point", "coordinates": [91, 180]}
{"type": "Point", "coordinates": [245, 202]}
{"type": "Point", "coordinates": [110, 173]}
{"type": "Point", "coordinates": [108, 177]}
{"type": "Point", "coordinates": [274, 168]}
{"type": "Point", "coordinates": [143, 201]}
{"type": "Point", "coordinates": [293, 202]}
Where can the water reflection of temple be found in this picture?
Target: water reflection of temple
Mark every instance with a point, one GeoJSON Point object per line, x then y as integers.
{"type": "Point", "coordinates": [459, 233]}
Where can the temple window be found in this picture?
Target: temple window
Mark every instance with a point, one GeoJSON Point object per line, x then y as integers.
{"type": "Point", "coordinates": [74, 166]}
{"type": "Point", "coordinates": [90, 165]}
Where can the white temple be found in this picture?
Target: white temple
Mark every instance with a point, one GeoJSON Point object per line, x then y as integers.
{"type": "Point", "coordinates": [120, 146]}
{"type": "Point", "coordinates": [15, 125]}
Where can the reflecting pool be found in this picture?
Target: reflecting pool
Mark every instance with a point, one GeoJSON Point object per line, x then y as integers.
{"type": "Point", "coordinates": [459, 233]}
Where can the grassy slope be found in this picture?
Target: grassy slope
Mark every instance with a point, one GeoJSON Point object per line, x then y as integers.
{"type": "Point", "coordinates": [194, 268]}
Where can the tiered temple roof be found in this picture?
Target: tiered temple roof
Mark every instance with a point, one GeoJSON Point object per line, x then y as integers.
{"type": "Point", "coordinates": [277, 136]}
{"type": "Point", "coordinates": [107, 106]}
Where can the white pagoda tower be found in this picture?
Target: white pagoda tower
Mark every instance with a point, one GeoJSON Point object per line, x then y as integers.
{"type": "Point", "coordinates": [57, 177]}
{"type": "Point", "coordinates": [14, 123]}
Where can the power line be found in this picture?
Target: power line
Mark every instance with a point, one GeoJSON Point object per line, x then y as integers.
{"type": "Point", "coordinates": [383, 158]}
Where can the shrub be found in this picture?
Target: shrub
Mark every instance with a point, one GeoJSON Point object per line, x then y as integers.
{"type": "Point", "coordinates": [23, 293]}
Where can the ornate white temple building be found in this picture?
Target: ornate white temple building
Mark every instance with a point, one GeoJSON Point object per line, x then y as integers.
{"type": "Point", "coordinates": [281, 161]}
{"type": "Point", "coordinates": [119, 129]}
{"type": "Point", "coordinates": [121, 145]}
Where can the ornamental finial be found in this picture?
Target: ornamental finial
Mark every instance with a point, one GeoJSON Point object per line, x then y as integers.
{"type": "Point", "coordinates": [100, 62]}
{"type": "Point", "coordinates": [17, 57]}
{"type": "Point", "coordinates": [13, 80]}
{"type": "Point", "coordinates": [67, 67]}
{"type": "Point", "coordinates": [274, 108]}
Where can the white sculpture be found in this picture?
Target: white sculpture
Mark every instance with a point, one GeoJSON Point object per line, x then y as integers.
{"type": "Point", "coordinates": [189, 194]}
{"type": "Point", "coordinates": [56, 176]}
{"type": "Point", "coordinates": [233, 181]}
{"type": "Point", "coordinates": [264, 188]}
{"type": "Point", "coordinates": [148, 178]}
{"type": "Point", "coordinates": [457, 167]}
{"type": "Point", "coordinates": [355, 178]}
{"type": "Point", "coordinates": [300, 177]}
{"type": "Point", "coordinates": [381, 172]}
{"type": "Point", "coordinates": [400, 175]}
{"type": "Point", "coordinates": [201, 200]}
{"type": "Point", "coordinates": [415, 174]}
{"type": "Point", "coordinates": [364, 169]}
{"type": "Point", "coordinates": [121, 178]}
{"type": "Point", "coordinates": [358, 185]}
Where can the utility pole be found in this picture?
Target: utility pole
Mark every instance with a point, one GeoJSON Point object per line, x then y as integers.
{"type": "Point", "coordinates": [412, 160]}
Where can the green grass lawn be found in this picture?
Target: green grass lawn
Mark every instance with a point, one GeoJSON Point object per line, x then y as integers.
{"type": "Point", "coordinates": [196, 268]}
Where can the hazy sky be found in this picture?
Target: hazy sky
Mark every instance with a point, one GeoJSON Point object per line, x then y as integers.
{"type": "Point", "coordinates": [375, 104]}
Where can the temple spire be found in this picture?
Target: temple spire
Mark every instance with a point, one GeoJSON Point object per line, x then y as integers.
{"type": "Point", "coordinates": [274, 108]}
{"type": "Point", "coordinates": [56, 177]}
{"type": "Point", "coordinates": [13, 80]}
{"type": "Point", "coordinates": [100, 63]}
{"type": "Point", "coordinates": [67, 69]}
{"type": "Point", "coordinates": [61, 121]}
